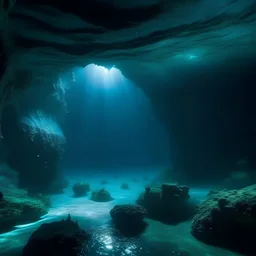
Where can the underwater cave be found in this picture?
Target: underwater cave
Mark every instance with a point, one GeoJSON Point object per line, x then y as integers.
{"type": "Point", "coordinates": [127, 127]}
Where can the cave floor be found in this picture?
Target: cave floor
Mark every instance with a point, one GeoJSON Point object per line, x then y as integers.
{"type": "Point", "coordinates": [158, 238]}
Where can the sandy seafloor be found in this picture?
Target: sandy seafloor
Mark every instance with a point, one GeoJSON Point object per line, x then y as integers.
{"type": "Point", "coordinates": [157, 240]}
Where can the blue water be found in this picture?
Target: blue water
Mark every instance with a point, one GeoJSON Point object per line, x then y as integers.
{"type": "Point", "coordinates": [158, 239]}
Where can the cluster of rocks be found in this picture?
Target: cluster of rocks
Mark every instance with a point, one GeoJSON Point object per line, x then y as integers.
{"type": "Point", "coordinates": [65, 237]}
{"type": "Point", "coordinates": [82, 189]}
{"type": "Point", "coordinates": [227, 218]}
{"type": "Point", "coordinates": [168, 203]}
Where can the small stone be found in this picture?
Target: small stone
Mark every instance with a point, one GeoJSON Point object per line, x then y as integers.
{"type": "Point", "coordinates": [125, 186]}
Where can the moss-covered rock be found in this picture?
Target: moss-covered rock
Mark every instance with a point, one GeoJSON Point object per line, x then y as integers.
{"type": "Point", "coordinates": [57, 238]}
{"type": "Point", "coordinates": [101, 195]}
{"type": "Point", "coordinates": [129, 219]}
{"type": "Point", "coordinates": [18, 208]}
{"type": "Point", "coordinates": [227, 218]}
{"type": "Point", "coordinates": [80, 189]}
{"type": "Point", "coordinates": [167, 203]}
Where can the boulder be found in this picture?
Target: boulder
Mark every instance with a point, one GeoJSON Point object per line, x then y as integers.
{"type": "Point", "coordinates": [57, 238]}
{"type": "Point", "coordinates": [18, 208]}
{"type": "Point", "coordinates": [227, 218]}
{"type": "Point", "coordinates": [168, 203]}
{"type": "Point", "coordinates": [101, 195]}
{"type": "Point", "coordinates": [80, 189]}
{"type": "Point", "coordinates": [125, 186]}
{"type": "Point", "coordinates": [129, 219]}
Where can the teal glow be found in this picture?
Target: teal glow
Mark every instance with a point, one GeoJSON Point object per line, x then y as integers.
{"type": "Point", "coordinates": [191, 57]}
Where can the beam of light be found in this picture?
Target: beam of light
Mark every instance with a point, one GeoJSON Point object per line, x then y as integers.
{"type": "Point", "coordinates": [39, 126]}
{"type": "Point", "coordinates": [100, 76]}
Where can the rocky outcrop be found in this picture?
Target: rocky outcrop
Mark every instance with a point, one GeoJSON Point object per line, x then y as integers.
{"type": "Point", "coordinates": [101, 195]}
{"type": "Point", "coordinates": [35, 158]}
{"type": "Point", "coordinates": [228, 218]}
{"type": "Point", "coordinates": [129, 219]}
{"type": "Point", "coordinates": [168, 203]}
{"type": "Point", "coordinates": [57, 238]}
{"type": "Point", "coordinates": [16, 208]}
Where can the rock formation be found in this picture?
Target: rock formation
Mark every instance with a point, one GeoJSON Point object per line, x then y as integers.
{"type": "Point", "coordinates": [168, 203]}
{"type": "Point", "coordinates": [80, 189]}
{"type": "Point", "coordinates": [227, 218]}
{"type": "Point", "coordinates": [101, 195]}
{"type": "Point", "coordinates": [129, 219]}
{"type": "Point", "coordinates": [57, 238]}
{"type": "Point", "coordinates": [17, 208]}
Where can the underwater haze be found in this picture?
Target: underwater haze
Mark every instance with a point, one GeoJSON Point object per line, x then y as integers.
{"type": "Point", "coordinates": [127, 128]}
{"type": "Point", "coordinates": [111, 124]}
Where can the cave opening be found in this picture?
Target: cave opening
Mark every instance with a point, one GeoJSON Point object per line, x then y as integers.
{"type": "Point", "coordinates": [117, 123]}
{"type": "Point", "coordinates": [92, 119]}
{"type": "Point", "coordinates": [127, 120]}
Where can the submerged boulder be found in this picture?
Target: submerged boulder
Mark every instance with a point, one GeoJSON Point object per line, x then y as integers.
{"type": "Point", "coordinates": [80, 189]}
{"type": "Point", "coordinates": [17, 208]}
{"type": "Point", "coordinates": [57, 238]}
{"type": "Point", "coordinates": [129, 219]}
{"type": "Point", "coordinates": [125, 186]}
{"type": "Point", "coordinates": [168, 203]}
{"type": "Point", "coordinates": [228, 219]}
{"type": "Point", "coordinates": [101, 195]}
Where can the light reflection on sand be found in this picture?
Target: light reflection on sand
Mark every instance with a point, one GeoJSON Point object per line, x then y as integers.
{"type": "Point", "coordinates": [90, 214]}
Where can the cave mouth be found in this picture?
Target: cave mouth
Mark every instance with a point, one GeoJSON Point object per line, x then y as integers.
{"type": "Point", "coordinates": [104, 77]}
{"type": "Point", "coordinates": [117, 123]}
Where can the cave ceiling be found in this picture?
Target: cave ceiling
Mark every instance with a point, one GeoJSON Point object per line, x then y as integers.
{"type": "Point", "coordinates": [48, 37]}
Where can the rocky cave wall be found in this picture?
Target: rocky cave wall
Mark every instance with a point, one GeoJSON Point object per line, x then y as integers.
{"type": "Point", "coordinates": [209, 113]}
{"type": "Point", "coordinates": [209, 128]}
